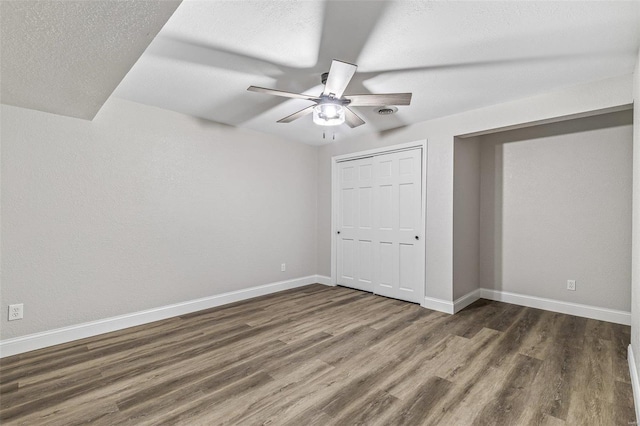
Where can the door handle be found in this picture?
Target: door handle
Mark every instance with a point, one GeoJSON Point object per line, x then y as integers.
{"type": "Point", "coordinates": [417, 238]}
{"type": "Point", "coordinates": [338, 232]}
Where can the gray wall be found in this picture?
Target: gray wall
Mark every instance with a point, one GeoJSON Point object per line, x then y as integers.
{"type": "Point", "coordinates": [556, 205]}
{"type": "Point", "coordinates": [635, 306]}
{"type": "Point", "coordinates": [440, 133]}
{"type": "Point", "coordinates": [466, 216]}
{"type": "Point", "coordinates": [141, 208]}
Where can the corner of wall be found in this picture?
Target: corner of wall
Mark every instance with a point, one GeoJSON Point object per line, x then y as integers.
{"type": "Point", "coordinates": [466, 217]}
{"type": "Point", "coordinates": [317, 218]}
{"type": "Point", "coordinates": [634, 362]}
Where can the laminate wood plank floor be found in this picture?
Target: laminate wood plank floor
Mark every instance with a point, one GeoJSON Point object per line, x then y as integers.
{"type": "Point", "coordinates": [321, 355]}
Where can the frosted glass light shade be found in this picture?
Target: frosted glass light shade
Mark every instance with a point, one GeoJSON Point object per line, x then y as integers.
{"type": "Point", "coordinates": [328, 114]}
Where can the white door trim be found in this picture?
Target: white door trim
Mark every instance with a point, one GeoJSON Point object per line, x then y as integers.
{"type": "Point", "coordinates": [335, 178]}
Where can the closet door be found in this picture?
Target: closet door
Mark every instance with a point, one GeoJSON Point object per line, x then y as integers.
{"type": "Point", "coordinates": [379, 245]}
{"type": "Point", "coordinates": [398, 254]}
{"type": "Point", "coordinates": [355, 225]}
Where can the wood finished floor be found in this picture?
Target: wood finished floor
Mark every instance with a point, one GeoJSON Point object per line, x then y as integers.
{"type": "Point", "coordinates": [322, 355]}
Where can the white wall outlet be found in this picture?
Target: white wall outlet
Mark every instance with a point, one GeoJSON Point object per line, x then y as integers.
{"type": "Point", "coordinates": [283, 267]}
{"type": "Point", "coordinates": [16, 312]}
{"type": "Point", "coordinates": [571, 285]}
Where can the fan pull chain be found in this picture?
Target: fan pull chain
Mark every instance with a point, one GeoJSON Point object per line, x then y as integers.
{"type": "Point", "coordinates": [324, 136]}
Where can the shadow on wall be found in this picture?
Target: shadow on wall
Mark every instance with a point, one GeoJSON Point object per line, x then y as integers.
{"type": "Point", "coordinates": [555, 204]}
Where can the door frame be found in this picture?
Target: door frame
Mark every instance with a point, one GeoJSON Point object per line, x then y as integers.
{"type": "Point", "coordinates": [335, 180]}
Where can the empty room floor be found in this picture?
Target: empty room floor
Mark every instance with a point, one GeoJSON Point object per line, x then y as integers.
{"type": "Point", "coordinates": [321, 355]}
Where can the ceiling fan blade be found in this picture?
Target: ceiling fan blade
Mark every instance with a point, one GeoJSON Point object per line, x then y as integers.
{"type": "Point", "coordinates": [340, 75]}
{"type": "Point", "coordinates": [281, 93]}
{"type": "Point", "coordinates": [343, 38]}
{"type": "Point", "coordinates": [381, 99]}
{"type": "Point", "coordinates": [296, 115]}
{"type": "Point", "coordinates": [351, 118]}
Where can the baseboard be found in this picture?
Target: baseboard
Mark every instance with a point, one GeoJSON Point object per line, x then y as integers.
{"type": "Point", "coordinates": [322, 279]}
{"type": "Point", "coordinates": [587, 311]}
{"type": "Point", "coordinates": [44, 339]}
{"type": "Point", "coordinates": [58, 336]}
{"type": "Point", "coordinates": [464, 301]}
{"type": "Point", "coordinates": [635, 384]}
{"type": "Point", "coordinates": [439, 305]}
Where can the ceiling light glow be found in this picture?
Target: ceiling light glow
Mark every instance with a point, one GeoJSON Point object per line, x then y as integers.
{"type": "Point", "coordinates": [328, 114]}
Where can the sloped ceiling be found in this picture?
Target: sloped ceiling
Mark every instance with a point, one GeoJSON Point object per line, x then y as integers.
{"type": "Point", "coordinates": [453, 56]}
{"type": "Point", "coordinates": [67, 57]}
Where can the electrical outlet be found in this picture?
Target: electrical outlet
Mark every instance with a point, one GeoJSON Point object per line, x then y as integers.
{"type": "Point", "coordinates": [283, 267]}
{"type": "Point", "coordinates": [571, 285]}
{"type": "Point", "coordinates": [16, 312]}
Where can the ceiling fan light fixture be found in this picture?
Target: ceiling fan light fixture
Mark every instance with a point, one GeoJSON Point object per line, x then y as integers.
{"type": "Point", "coordinates": [330, 108]}
{"type": "Point", "coordinates": [328, 114]}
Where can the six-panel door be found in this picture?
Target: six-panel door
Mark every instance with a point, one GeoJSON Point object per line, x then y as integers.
{"type": "Point", "coordinates": [355, 225]}
{"type": "Point", "coordinates": [379, 246]}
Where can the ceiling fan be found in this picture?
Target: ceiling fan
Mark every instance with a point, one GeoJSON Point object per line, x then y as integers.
{"type": "Point", "coordinates": [331, 108]}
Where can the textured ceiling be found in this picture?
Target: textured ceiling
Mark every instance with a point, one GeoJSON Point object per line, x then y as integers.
{"type": "Point", "coordinates": [67, 57]}
{"type": "Point", "coordinates": [453, 56]}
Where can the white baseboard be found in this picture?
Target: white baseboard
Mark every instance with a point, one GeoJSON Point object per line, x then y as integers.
{"type": "Point", "coordinates": [439, 305]}
{"type": "Point", "coordinates": [464, 301]}
{"type": "Point", "coordinates": [322, 279]}
{"type": "Point", "coordinates": [454, 307]}
{"type": "Point", "coordinates": [587, 311]}
{"type": "Point", "coordinates": [44, 339]}
{"type": "Point", "coordinates": [635, 384]}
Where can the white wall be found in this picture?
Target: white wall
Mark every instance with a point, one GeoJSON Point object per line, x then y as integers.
{"type": "Point", "coordinates": [466, 216]}
{"type": "Point", "coordinates": [142, 208]}
{"type": "Point", "coordinates": [556, 205]}
{"type": "Point", "coordinates": [440, 133]}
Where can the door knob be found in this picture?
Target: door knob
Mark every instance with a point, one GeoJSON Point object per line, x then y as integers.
{"type": "Point", "coordinates": [417, 238]}
{"type": "Point", "coordinates": [338, 232]}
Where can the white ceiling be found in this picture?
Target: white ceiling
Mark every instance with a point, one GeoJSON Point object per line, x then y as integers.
{"type": "Point", "coordinates": [67, 57]}
{"type": "Point", "coordinates": [453, 56]}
